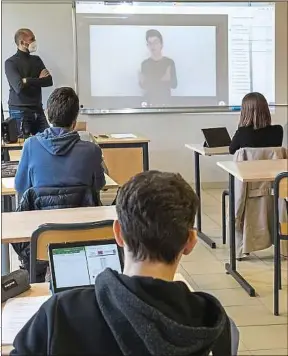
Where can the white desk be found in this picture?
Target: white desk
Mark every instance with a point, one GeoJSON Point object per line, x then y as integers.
{"type": "Point", "coordinates": [42, 289]}
{"type": "Point", "coordinates": [19, 226]}
{"type": "Point", "coordinates": [8, 185]}
{"type": "Point", "coordinates": [206, 151]}
{"type": "Point", "coordinates": [203, 151]}
{"type": "Point", "coordinates": [124, 157]}
{"type": "Point", "coordinates": [247, 171]}
{"type": "Point", "coordinates": [255, 171]}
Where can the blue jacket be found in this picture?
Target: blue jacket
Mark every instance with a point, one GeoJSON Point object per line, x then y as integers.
{"type": "Point", "coordinates": [58, 158]}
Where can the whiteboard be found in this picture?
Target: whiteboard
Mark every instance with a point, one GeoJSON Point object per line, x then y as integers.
{"type": "Point", "coordinates": [52, 24]}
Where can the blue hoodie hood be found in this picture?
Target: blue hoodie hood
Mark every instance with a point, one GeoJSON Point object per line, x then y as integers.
{"type": "Point", "coordinates": [58, 141]}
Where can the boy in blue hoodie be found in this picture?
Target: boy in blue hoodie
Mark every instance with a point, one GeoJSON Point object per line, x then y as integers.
{"type": "Point", "coordinates": [57, 157]}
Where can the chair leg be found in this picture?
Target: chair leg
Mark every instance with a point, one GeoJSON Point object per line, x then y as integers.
{"type": "Point", "coordinates": [279, 267]}
{"type": "Point", "coordinates": [276, 276]}
{"type": "Point", "coordinates": [224, 194]}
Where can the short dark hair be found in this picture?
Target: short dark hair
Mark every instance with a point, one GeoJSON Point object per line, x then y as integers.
{"type": "Point", "coordinates": [20, 33]}
{"type": "Point", "coordinates": [63, 107]}
{"type": "Point", "coordinates": [156, 210]}
{"type": "Point", "coordinates": [154, 33]}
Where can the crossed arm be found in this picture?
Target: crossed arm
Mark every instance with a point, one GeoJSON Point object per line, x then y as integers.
{"type": "Point", "coordinates": [18, 83]}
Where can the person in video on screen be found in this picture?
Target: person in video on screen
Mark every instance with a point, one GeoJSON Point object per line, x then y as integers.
{"type": "Point", "coordinates": [158, 73]}
{"type": "Point", "coordinates": [142, 311]}
{"type": "Point", "coordinates": [27, 75]}
{"type": "Point", "coordinates": [255, 129]}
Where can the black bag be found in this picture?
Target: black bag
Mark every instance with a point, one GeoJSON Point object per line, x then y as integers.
{"type": "Point", "coordinates": [23, 251]}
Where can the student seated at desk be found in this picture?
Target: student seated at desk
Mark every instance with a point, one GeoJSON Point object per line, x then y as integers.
{"type": "Point", "coordinates": [255, 129]}
{"type": "Point", "coordinates": [142, 311]}
{"type": "Point", "coordinates": [57, 157]}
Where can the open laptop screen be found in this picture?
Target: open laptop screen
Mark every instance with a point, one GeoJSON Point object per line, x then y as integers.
{"type": "Point", "coordinates": [216, 137]}
{"type": "Point", "coordinates": [78, 264]}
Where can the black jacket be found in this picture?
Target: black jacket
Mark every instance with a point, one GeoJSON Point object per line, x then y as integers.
{"type": "Point", "coordinates": [269, 136]}
{"type": "Point", "coordinates": [47, 199]}
{"type": "Point", "coordinates": [29, 95]}
{"type": "Point", "coordinates": [127, 316]}
{"type": "Point", "coordinates": [58, 198]}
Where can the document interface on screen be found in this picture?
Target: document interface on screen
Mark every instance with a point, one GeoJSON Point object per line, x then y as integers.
{"type": "Point", "coordinates": [79, 266]}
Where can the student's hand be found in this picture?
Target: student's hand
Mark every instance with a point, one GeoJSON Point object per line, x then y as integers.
{"type": "Point", "coordinates": [44, 73]}
{"type": "Point", "coordinates": [167, 75]}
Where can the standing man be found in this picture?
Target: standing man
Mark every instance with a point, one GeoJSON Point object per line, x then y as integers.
{"type": "Point", "coordinates": [26, 76]}
{"type": "Point", "coordinates": [158, 73]}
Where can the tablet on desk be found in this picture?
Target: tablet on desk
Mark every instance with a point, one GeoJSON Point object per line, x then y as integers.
{"type": "Point", "coordinates": [77, 264]}
{"type": "Point", "coordinates": [216, 137]}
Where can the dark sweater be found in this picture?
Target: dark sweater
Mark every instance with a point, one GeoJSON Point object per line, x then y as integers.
{"type": "Point", "coordinates": [29, 95]}
{"type": "Point", "coordinates": [127, 316]}
{"type": "Point", "coordinates": [269, 136]}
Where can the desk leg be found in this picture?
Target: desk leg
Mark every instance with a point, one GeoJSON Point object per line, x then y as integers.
{"type": "Point", "coordinates": [145, 157]}
{"type": "Point", "coordinates": [6, 155]}
{"type": "Point", "coordinates": [201, 235]}
{"type": "Point", "coordinates": [5, 264]}
{"type": "Point", "coordinates": [231, 267]}
{"type": "Point", "coordinates": [7, 203]}
{"type": "Point", "coordinates": [5, 257]}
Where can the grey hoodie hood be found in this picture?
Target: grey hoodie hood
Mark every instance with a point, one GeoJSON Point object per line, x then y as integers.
{"type": "Point", "coordinates": [152, 317]}
{"type": "Point", "coordinates": [58, 141]}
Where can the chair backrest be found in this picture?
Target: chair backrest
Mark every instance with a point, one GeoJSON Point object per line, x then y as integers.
{"type": "Point", "coordinates": [81, 126]}
{"type": "Point", "coordinates": [47, 198]}
{"type": "Point", "coordinates": [280, 191]}
{"type": "Point", "coordinates": [59, 233]}
{"type": "Point", "coordinates": [254, 189]}
{"type": "Point", "coordinates": [283, 186]}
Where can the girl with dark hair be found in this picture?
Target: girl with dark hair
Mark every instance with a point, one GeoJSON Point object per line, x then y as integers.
{"type": "Point", "coordinates": [255, 129]}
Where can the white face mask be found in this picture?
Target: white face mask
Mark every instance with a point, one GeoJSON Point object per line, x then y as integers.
{"type": "Point", "coordinates": [32, 47]}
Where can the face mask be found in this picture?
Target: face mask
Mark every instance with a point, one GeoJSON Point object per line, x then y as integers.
{"type": "Point", "coordinates": [32, 47]}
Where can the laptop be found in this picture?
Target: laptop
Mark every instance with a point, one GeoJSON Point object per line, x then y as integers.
{"type": "Point", "coordinates": [9, 169]}
{"type": "Point", "coordinates": [77, 264]}
{"type": "Point", "coordinates": [216, 137]}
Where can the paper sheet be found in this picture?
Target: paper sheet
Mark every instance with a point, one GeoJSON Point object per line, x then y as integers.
{"type": "Point", "coordinates": [123, 136]}
{"type": "Point", "coordinates": [16, 313]}
{"type": "Point", "coordinates": [8, 182]}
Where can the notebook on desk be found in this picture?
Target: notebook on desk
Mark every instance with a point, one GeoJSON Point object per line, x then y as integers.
{"type": "Point", "coordinates": [77, 264]}
{"type": "Point", "coordinates": [216, 137]}
{"type": "Point", "coordinates": [16, 313]}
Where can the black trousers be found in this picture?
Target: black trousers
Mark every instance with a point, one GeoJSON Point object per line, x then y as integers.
{"type": "Point", "coordinates": [29, 122]}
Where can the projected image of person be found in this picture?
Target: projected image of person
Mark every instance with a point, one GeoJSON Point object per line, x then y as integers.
{"type": "Point", "coordinates": [158, 73]}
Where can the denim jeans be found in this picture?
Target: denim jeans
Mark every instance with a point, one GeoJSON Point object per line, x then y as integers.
{"type": "Point", "coordinates": [29, 122]}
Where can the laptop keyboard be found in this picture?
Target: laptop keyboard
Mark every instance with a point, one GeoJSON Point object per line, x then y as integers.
{"type": "Point", "coordinates": [8, 169]}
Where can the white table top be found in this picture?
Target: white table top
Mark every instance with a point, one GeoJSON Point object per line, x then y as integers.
{"type": "Point", "coordinates": [206, 151]}
{"type": "Point", "coordinates": [7, 185]}
{"type": "Point", "coordinates": [19, 226]}
{"type": "Point", "coordinates": [255, 171]}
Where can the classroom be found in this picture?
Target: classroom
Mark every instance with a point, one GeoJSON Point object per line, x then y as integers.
{"type": "Point", "coordinates": [144, 177]}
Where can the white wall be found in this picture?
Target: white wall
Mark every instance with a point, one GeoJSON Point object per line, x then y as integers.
{"type": "Point", "coordinates": [52, 25]}
{"type": "Point", "coordinates": [169, 133]}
